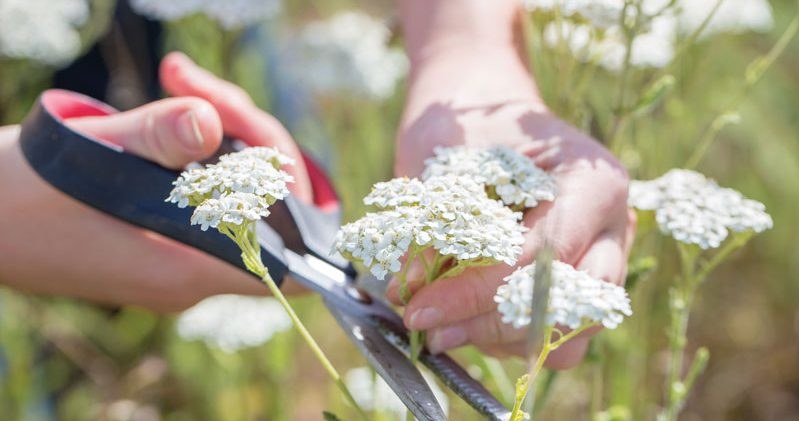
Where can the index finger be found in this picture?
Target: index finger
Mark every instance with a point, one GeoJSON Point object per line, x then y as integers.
{"type": "Point", "coordinates": [240, 117]}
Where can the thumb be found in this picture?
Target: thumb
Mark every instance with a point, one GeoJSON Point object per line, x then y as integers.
{"type": "Point", "coordinates": [171, 132]}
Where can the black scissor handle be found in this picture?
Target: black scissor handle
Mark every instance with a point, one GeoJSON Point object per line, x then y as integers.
{"type": "Point", "coordinates": [105, 177]}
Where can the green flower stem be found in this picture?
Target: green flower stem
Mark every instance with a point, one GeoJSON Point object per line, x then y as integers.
{"type": "Point", "coordinates": [417, 337]}
{"type": "Point", "coordinates": [247, 241]}
{"type": "Point", "coordinates": [689, 42]}
{"type": "Point", "coordinates": [754, 73]}
{"type": "Point", "coordinates": [550, 345]}
{"type": "Point", "coordinates": [698, 366]}
{"type": "Point", "coordinates": [522, 388]}
{"type": "Point", "coordinates": [523, 384]}
{"type": "Point", "coordinates": [620, 120]}
{"type": "Point", "coordinates": [404, 293]}
{"type": "Point", "coordinates": [435, 272]}
{"type": "Point", "coordinates": [679, 304]}
{"type": "Point", "coordinates": [681, 298]}
{"type": "Point", "coordinates": [562, 339]}
{"type": "Point", "coordinates": [417, 340]}
{"type": "Point", "coordinates": [542, 356]}
{"type": "Point", "coordinates": [738, 240]}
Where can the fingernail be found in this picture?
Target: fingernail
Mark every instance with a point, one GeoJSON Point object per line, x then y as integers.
{"type": "Point", "coordinates": [448, 338]}
{"type": "Point", "coordinates": [189, 131]}
{"type": "Point", "coordinates": [425, 318]}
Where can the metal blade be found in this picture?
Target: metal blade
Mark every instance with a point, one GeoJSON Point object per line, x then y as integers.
{"type": "Point", "coordinates": [445, 368]}
{"type": "Point", "coordinates": [392, 365]}
{"type": "Point", "coordinates": [542, 282]}
{"type": "Point", "coordinates": [469, 389]}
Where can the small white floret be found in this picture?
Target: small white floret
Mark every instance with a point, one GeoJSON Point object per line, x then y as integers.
{"type": "Point", "coordinates": [231, 209]}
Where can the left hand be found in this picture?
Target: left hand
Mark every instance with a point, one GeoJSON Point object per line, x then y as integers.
{"type": "Point", "coordinates": [458, 98]}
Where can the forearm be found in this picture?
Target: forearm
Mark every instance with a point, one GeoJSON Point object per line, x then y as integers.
{"type": "Point", "coordinates": [52, 244]}
{"type": "Point", "coordinates": [458, 45]}
{"type": "Point", "coordinates": [432, 27]}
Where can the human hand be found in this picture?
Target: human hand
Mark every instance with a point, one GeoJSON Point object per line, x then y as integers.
{"type": "Point", "coordinates": [55, 245]}
{"type": "Point", "coordinates": [461, 97]}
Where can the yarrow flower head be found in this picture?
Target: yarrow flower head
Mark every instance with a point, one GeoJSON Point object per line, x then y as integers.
{"type": "Point", "coordinates": [231, 14]}
{"type": "Point", "coordinates": [233, 322]}
{"type": "Point", "coordinates": [451, 214]}
{"type": "Point", "coordinates": [252, 170]}
{"type": "Point", "coordinates": [45, 31]}
{"type": "Point", "coordinates": [507, 174]}
{"type": "Point", "coordinates": [695, 210]}
{"type": "Point", "coordinates": [575, 298]}
{"type": "Point", "coordinates": [236, 190]}
{"type": "Point", "coordinates": [349, 53]}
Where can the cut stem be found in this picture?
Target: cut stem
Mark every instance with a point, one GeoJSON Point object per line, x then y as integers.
{"type": "Point", "coordinates": [249, 251]}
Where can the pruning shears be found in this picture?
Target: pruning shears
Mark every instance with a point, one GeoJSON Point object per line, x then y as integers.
{"type": "Point", "coordinates": [295, 240]}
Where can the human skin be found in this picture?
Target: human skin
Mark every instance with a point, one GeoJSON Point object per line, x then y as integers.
{"type": "Point", "coordinates": [469, 85]}
{"type": "Point", "coordinates": [53, 244]}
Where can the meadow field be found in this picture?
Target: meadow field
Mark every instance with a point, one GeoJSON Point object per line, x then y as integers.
{"type": "Point", "coordinates": [725, 102]}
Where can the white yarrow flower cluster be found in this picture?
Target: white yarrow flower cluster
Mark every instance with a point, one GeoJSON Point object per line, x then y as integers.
{"type": "Point", "coordinates": [45, 31]}
{"type": "Point", "coordinates": [231, 14]}
{"type": "Point", "coordinates": [515, 179]}
{"type": "Point", "coordinates": [237, 189]}
{"type": "Point", "coordinates": [606, 46]}
{"type": "Point", "coordinates": [253, 170]}
{"type": "Point", "coordinates": [592, 30]}
{"type": "Point", "coordinates": [575, 298]}
{"type": "Point", "coordinates": [349, 52]}
{"type": "Point", "coordinates": [695, 210]}
{"type": "Point", "coordinates": [233, 322]}
{"type": "Point", "coordinates": [451, 214]}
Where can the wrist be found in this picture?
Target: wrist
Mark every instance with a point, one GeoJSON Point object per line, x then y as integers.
{"type": "Point", "coordinates": [434, 27]}
{"type": "Point", "coordinates": [468, 78]}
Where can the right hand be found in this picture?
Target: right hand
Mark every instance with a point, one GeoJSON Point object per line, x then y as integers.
{"type": "Point", "coordinates": [53, 244]}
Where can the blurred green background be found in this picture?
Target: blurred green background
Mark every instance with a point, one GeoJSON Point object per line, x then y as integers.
{"type": "Point", "coordinates": [71, 360]}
